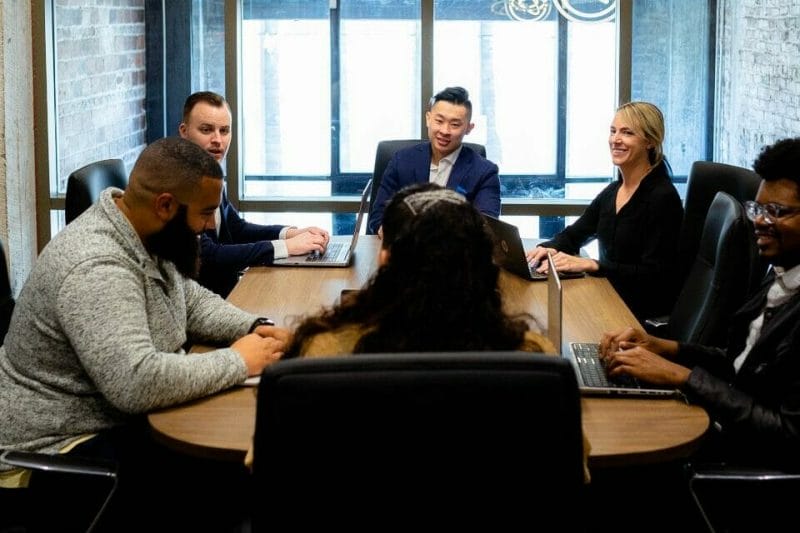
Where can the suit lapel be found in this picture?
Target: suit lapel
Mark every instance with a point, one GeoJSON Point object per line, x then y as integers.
{"type": "Point", "coordinates": [773, 333]}
{"type": "Point", "coordinates": [460, 169]}
{"type": "Point", "coordinates": [422, 167]}
{"type": "Point", "coordinates": [786, 313]}
{"type": "Point", "coordinates": [224, 232]}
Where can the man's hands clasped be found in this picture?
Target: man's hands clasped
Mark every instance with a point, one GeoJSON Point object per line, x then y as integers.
{"type": "Point", "coordinates": [262, 347]}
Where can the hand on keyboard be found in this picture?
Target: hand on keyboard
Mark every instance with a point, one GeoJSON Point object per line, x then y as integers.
{"type": "Point", "coordinates": [306, 242]}
{"type": "Point", "coordinates": [624, 338]}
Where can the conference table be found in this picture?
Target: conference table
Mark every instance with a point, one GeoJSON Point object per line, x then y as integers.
{"type": "Point", "coordinates": [621, 430]}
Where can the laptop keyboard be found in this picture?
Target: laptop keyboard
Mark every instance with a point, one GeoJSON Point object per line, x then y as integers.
{"type": "Point", "coordinates": [593, 372]}
{"type": "Point", "coordinates": [534, 274]}
{"type": "Point", "coordinates": [332, 254]}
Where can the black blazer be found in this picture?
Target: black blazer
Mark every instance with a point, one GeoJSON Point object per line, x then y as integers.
{"type": "Point", "coordinates": [758, 409]}
{"type": "Point", "coordinates": [240, 244]}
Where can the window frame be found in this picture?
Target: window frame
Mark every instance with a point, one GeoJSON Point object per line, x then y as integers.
{"type": "Point", "coordinates": [169, 81]}
{"type": "Point", "coordinates": [348, 202]}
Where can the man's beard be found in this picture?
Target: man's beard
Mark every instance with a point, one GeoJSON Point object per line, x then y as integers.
{"type": "Point", "coordinates": [177, 243]}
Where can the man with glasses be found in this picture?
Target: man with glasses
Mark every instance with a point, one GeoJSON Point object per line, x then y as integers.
{"type": "Point", "coordinates": [751, 390]}
{"type": "Point", "coordinates": [770, 212]}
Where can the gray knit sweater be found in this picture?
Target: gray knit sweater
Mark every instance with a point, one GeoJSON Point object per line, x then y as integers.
{"type": "Point", "coordinates": [97, 335]}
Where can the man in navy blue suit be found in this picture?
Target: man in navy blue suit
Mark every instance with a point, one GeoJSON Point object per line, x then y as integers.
{"type": "Point", "coordinates": [234, 244]}
{"type": "Point", "coordinates": [443, 160]}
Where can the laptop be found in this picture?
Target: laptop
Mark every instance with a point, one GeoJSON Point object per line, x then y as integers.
{"type": "Point", "coordinates": [339, 253]}
{"type": "Point", "coordinates": [584, 356]}
{"type": "Point", "coordinates": [509, 252]}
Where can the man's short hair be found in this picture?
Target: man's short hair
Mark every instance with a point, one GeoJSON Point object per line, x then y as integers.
{"type": "Point", "coordinates": [173, 165]}
{"type": "Point", "coordinates": [780, 160]}
{"type": "Point", "coordinates": [454, 95]}
{"type": "Point", "coordinates": [208, 97]}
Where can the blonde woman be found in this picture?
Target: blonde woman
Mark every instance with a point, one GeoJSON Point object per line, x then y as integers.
{"type": "Point", "coordinates": [636, 219]}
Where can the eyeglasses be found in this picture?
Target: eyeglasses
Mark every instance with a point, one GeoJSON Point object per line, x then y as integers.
{"type": "Point", "coordinates": [770, 212]}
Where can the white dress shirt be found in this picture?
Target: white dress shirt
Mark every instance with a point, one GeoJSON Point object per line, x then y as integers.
{"type": "Point", "coordinates": [440, 173]}
{"type": "Point", "coordinates": [786, 285]}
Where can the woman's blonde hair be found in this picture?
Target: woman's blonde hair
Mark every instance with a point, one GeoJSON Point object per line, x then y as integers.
{"type": "Point", "coordinates": [647, 120]}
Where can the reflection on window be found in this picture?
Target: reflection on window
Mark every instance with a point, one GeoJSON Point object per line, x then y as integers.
{"type": "Point", "coordinates": [510, 70]}
{"type": "Point", "coordinates": [321, 86]}
{"type": "Point", "coordinates": [286, 95]}
{"type": "Point", "coordinates": [671, 67]}
{"type": "Point", "coordinates": [379, 82]}
{"type": "Point", "coordinates": [590, 98]}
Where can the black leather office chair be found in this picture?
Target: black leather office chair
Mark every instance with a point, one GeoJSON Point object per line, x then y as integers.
{"type": "Point", "coordinates": [17, 507]}
{"type": "Point", "coordinates": [384, 153]}
{"type": "Point", "coordinates": [744, 499]}
{"type": "Point", "coordinates": [85, 185]}
{"type": "Point", "coordinates": [722, 276]}
{"type": "Point", "coordinates": [412, 440]}
{"type": "Point", "coordinates": [706, 179]}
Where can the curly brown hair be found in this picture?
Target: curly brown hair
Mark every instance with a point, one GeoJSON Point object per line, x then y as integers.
{"type": "Point", "coordinates": [437, 292]}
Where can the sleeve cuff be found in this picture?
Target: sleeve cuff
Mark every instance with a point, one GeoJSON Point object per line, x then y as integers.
{"type": "Point", "coordinates": [282, 234]}
{"type": "Point", "coordinates": [281, 250]}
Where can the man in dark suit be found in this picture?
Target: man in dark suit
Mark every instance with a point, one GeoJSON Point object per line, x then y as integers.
{"type": "Point", "coordinates": [235, 244]}
{"type": "Point", "coordinates": [751, 390]}
{"type": "Point", "coordinates": [443, 160]}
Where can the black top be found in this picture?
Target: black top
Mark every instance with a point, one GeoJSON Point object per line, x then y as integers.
{"type": "Point", "coordinates": [240, 244]}
{"type": "Point", "coordinates": [638, 246]}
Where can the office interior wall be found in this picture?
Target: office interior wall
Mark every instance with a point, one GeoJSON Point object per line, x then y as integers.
{"type": "Point", "coordinates": [758, 77]}
{"type": "Point", "coordinates": [100, 83]}
{"type": "Point", "coordinates": [17, 170]}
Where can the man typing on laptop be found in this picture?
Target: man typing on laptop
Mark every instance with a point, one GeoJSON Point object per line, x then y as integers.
{"type": "Point", "coordinates": [751, 390]}
{"type": "Point", "coordinates": [234, 244]}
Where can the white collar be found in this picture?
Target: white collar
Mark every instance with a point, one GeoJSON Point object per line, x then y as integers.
{"type": "Point", "coordinates": [790, 279]}
{"type": "Point", "coordinates": [452, 156]}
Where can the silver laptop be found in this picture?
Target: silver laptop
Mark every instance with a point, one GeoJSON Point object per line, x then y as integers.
{"type": "Point", "coordinates": [509, 252]}
{"type": "Point", "coordinates": [339, 253]}
{"type": "Point", "coordinates": [584, 356]}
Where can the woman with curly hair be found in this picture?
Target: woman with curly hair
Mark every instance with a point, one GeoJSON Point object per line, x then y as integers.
{"type": "Point", "coordinates": [435, 290]}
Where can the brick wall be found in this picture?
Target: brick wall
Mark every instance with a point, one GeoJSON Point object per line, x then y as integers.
{"type": "Point", "coordinates": [758, 83]}
{"type": "Point", "coordinates": [100, 82]}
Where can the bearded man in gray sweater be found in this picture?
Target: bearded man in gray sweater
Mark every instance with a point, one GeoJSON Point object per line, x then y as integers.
{"type": "Point", "coordinates": [98, 334]}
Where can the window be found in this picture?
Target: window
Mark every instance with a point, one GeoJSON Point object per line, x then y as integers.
{"type": "Point", "coordinates": [98, 88]}
{"type": "Point", "coordinates": [322, 86]}
{"type": "Point", "coordinates": [322, 82]}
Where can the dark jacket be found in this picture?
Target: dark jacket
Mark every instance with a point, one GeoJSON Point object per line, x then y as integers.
{"type": "Point", "coordinates": [758, 409]}
{"type": "Point", "coordinates": [472, 175]}
{"type": "Point", "coordinates": [240, 244]}
{"type": "Point", "coordinates": [638, 246]}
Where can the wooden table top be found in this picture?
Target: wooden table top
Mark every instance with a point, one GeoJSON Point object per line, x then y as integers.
{"type": "Point", "coordinates": [621, 431]}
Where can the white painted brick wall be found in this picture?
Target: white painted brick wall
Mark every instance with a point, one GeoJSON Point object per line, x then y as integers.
{"type": "Point", "coordinates": [758, 95]}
